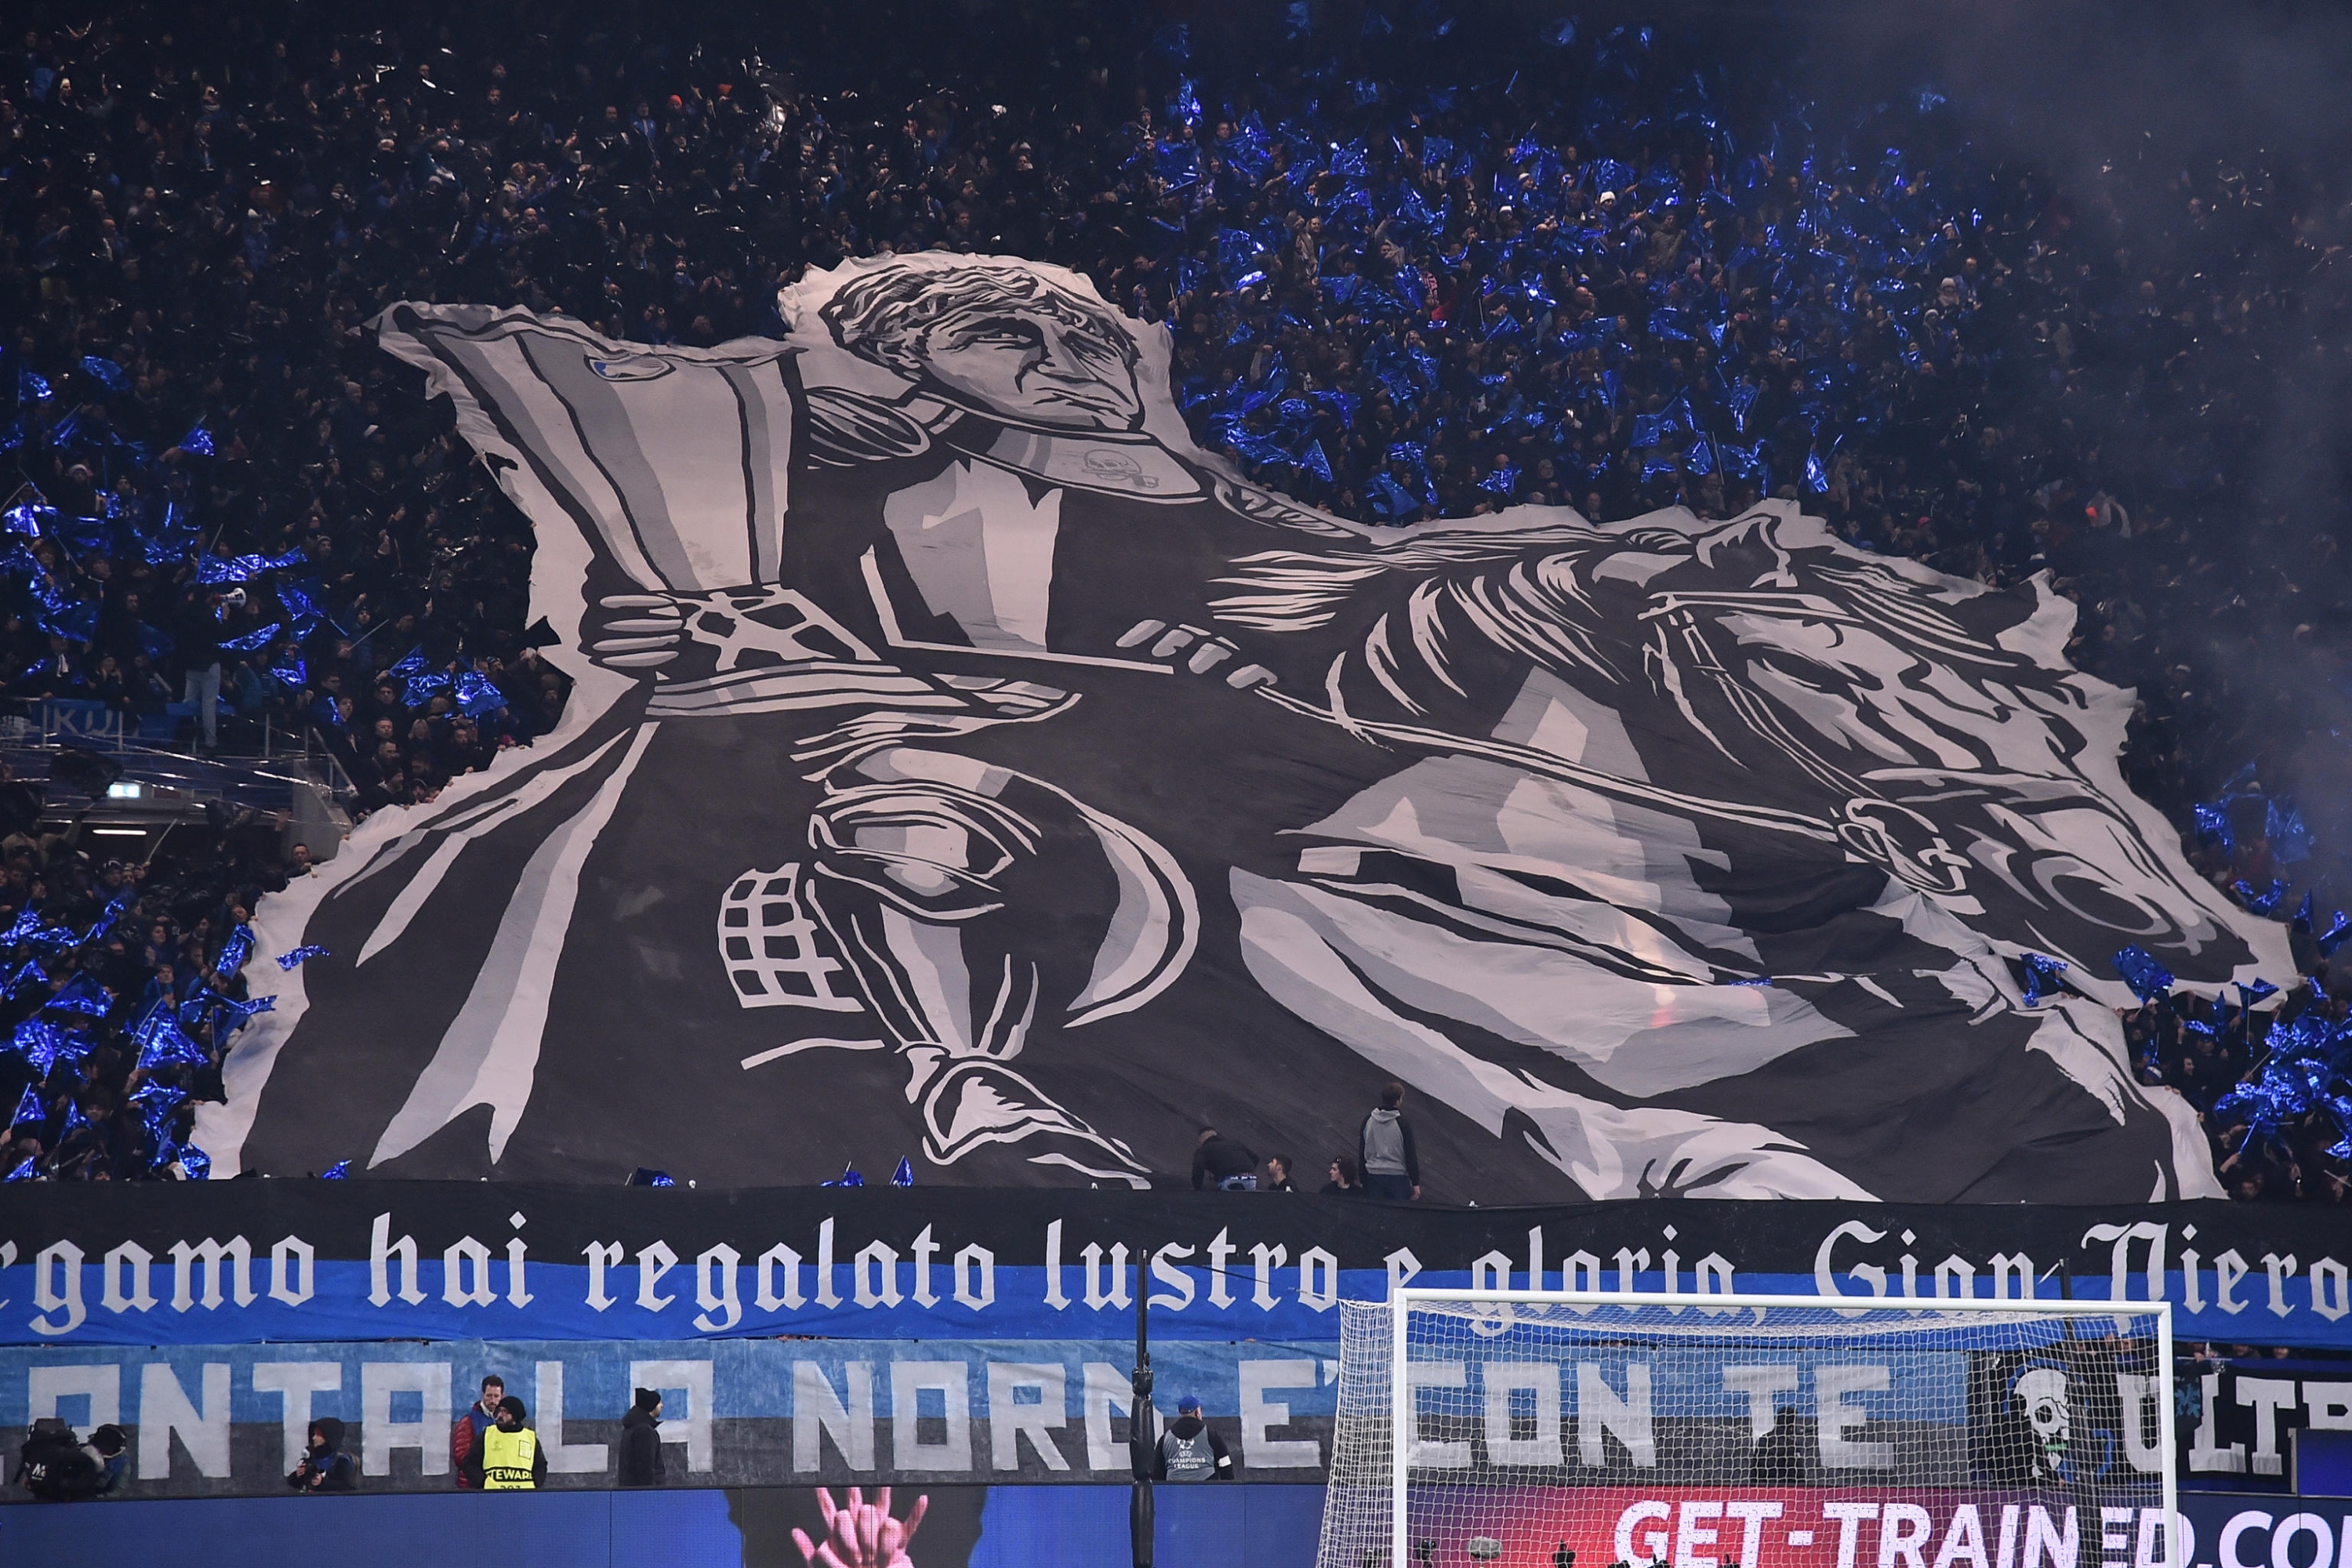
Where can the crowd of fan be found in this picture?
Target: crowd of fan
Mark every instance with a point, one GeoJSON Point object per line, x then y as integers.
{"type": "Point", "coordinates": [1410, 274]}
{"type": "Point", "coordinates": [127, 984]}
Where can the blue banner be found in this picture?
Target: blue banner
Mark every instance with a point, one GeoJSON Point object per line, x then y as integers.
{"type": "Point", "coordinates": [284, 1261]}
{"type": "Point", "coordinates": [233, 1420]}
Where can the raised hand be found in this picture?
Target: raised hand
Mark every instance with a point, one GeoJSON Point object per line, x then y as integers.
{"type": "Point", "coordinates": [862, 1534]}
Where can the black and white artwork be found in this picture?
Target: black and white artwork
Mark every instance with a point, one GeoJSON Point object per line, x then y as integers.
{"type": "Point", "coordinates": [962, 766]}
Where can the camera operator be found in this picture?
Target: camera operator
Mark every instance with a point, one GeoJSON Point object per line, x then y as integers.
{"type": "Point", "coordinates": [55, 1467]}
{"type": "Point", "coordinates": [325, 1468]}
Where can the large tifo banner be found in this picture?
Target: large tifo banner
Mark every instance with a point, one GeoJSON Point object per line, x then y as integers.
{"type": "Point", "coordinates": [963, 766]}
{"type": "Point", "coordinates": [292, 1261]}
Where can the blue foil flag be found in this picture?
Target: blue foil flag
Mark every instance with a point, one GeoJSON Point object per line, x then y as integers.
{"type": "Point", "coordinates": [156, 1095]}
{"type": "Point", "coordinates": [422, 689]}
{"type": "Point", "coordinates": [339, 1171]}
{"type": "Point", "coordinates": [81, 994]}
{"type": "Point", "coordinates": [253, 641]}
{"type": "Point", "coordinates": [2282, 826]}
{"type": "Point", "coordinates": [849, 1178]}
{"type": "Point", "coordinates": [76, 1122]}
{"type": "Point", "coordinates": [2260, 902]}
{"type": "Point", "coordinates": [198, 441]}
{"type": "Point", "coordinates": [234, 953]}
{"type": "Point", "coordinates": [162, 1043]}
{"type": "Point", "coordinates": [301, 602]}
{"type": "Point", "coordinates": [54, 940]}
{"type": "Point", "coordinates": [109, 373]}
{"type": "Point", "coordinates": [289, 960]}
{"type": "Point", "coordinates": [904, 1176]}
{"type": "Point", "coordinates": [22, 1172]}
{"type": "Point", "coordinates": [213, 570]}
{"type": "Point", "coordinates": [40, 1043]}
{"type": "Point", "coordinates": [476, 696]}
{"type": "Point", "coordinates": [2334, 935]}
{"type": "Point", "coordinates": [30, 1111]}
{"type": "Point", "coordinates": [195, 1162]}
{"type": "Point", "coordinates": [2042, 974]}
{"type": "Point", "coordinates": [2148, 979]}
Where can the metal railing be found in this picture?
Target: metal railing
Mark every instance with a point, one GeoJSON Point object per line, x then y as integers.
{"type": "Point", "coordinates": [265, 740]}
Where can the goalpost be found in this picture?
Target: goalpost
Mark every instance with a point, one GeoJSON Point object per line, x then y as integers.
{"type": "Point", "coordinates": [1559, 1429]}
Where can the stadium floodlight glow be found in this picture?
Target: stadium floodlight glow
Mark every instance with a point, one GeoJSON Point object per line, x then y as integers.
{"type": "Point", "coordinates": [1751, 1431]}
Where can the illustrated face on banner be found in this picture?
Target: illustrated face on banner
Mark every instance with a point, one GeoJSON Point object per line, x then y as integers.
{"type": "Point", "coordinates": [998, 338]}
{"type": "Point", "coordinates": [2040, 1394]}
{"type": "Point", "coordinates": [1061, 791]}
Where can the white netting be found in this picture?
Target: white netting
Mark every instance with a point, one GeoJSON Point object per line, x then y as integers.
{"type": "Point", "coordinates": [1551, 1434]}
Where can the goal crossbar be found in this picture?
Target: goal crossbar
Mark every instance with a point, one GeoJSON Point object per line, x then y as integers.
{"type": "Point", "coordinates": [2014, 1306]}
{"type": "Point", "coordinates": [1403, 1419]}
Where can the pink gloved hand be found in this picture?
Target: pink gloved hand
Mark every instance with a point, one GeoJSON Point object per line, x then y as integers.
{"type": "Point", "coordinates": [863, 1534]}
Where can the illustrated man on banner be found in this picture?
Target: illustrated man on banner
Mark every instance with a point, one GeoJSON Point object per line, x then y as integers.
{"type": "Point", "coordinates": [1003, 739]}
{"type": "Point", "coordinates": [954, 906]}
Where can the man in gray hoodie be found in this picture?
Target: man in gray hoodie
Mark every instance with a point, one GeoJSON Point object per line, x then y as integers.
{"type": "Point", "coordinates": [1392, 1168]}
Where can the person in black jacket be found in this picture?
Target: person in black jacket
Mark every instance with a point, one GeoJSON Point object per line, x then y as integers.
{"type": "Point", "coordinates": [641, 1446]}
{"type": "Point", "coordinates": [326, 1468]}
{"type": "Point", "coordinates": [1189, 1451]}
{"type": "Point", "coordinates": [1226, 1164]}
{"type": "Point", "coordinates": [513, 1418]}
{"type": "Point", "coordinates": [195, 633]}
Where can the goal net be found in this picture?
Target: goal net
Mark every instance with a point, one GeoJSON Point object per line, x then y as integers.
{"type": "Point", "coordinates": [1543, 1430]}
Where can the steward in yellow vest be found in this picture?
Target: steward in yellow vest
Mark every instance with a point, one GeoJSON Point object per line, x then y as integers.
{"type": "Point", "coordinates": [507, 1457]}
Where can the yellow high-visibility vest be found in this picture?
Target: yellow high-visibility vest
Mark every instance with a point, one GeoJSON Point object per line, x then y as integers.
{"type": "Point", "coordinates": [506, 1458]}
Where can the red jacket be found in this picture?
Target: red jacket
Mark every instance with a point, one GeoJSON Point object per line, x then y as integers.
{"type": "Point", "coordinates": [466, 1433]}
